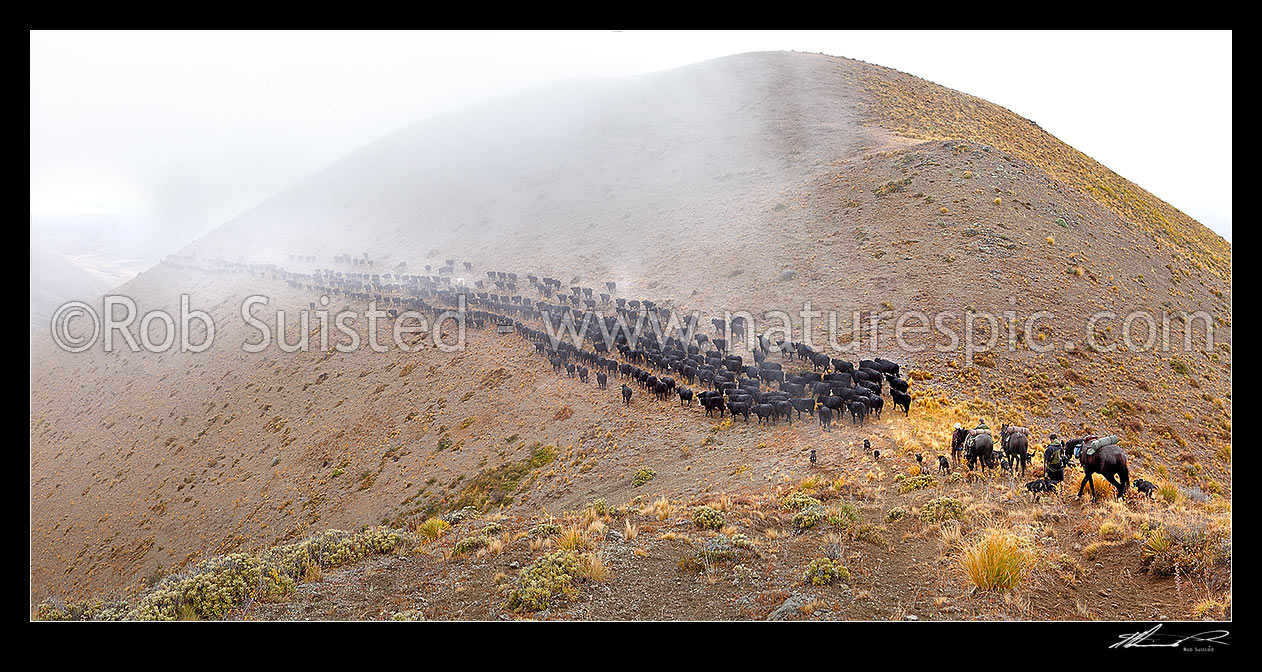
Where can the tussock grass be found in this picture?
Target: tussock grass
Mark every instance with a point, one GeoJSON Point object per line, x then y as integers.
{"type": "Point", "coordinates": [996, 561]}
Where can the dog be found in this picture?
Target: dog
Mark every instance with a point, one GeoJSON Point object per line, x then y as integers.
{"type": "Point", "coordinates": [944, 465]}
{"type": "Point", "coordinates": [876, 455]}
{"type": "Point", "coordinates": [1040, 486]}
{"type": "Point", "coordinates": [1145, 487]}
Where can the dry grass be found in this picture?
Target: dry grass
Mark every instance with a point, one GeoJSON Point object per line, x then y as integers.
{"type": "Point", "coordinates": [660, 509]}
{"type": "Point", "coordinates": [996, 561]}
{"type": "Point", "coordinates": [593, 568]}
{"type": "Point", "coordinates": [572, 539]}
{"type": "Point", "coordinates": [431, 529]}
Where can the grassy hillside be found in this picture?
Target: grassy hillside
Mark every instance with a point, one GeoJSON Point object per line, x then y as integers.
{"type": "Point", "coordinates": [749, 183]}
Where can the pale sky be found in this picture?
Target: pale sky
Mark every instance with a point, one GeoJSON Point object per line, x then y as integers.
{"type": "Point", "coordinates": [186, 130]}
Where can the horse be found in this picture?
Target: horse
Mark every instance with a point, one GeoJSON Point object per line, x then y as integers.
{"type": "Point", "coordinates": [957, 443]}
{"type": "Point", "coordinates": [1016, 444]}
{"type": "Point", "coordinates": [983, 449]}
{"type": "Point", "coordinates": [1109, 461]}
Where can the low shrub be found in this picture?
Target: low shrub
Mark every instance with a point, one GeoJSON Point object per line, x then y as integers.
{"type": "Point", "coordinates": [707, 518]}
{"type": "Point", "coordinates": [544, 579]}
{"type": "Point", "coordinates": [914, 483]}
{"type": "Point", "coordinates": [942, 509]}
{"type": "Point", "coordinates": [826, 571]}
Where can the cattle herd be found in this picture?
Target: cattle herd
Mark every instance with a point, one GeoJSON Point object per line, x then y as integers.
{"type": "Point", "coordinates": [617, 337]}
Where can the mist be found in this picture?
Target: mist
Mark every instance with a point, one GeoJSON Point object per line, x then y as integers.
{"type": "Point", "coordinates": [181, 131]}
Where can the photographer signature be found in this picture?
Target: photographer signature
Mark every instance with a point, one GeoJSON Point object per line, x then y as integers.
{"type": "Point", "coordinates": [1152, 639]}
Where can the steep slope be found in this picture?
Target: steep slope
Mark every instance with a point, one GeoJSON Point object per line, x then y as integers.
{"type": "Point", "coordinates": [757, 182]}
{"type": "Point", "coordinates": [56, 280]}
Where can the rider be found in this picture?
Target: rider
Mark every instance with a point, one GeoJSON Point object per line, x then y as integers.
{"type": "Point", "coordinates": [981, 426]}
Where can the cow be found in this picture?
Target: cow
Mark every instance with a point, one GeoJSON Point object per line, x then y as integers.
{"type": "Point", "coordinates": [858, 412]}
{"type": "Point", "coordinates": [825, 418]}
{"type": "Point", "coordinates": [626, 395]}
{"type": "Point", "coordinates": [712, 400]}
{"type": "Point", "coordinates": [601, 379]}
{"type": "Point", "coordinates": [901, 399]}
{"type": "Point", "coordinates": [685, 396]}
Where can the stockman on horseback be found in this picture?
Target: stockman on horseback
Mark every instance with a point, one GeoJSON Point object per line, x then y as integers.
{"type": "Point", "coordinates": [981, 428]}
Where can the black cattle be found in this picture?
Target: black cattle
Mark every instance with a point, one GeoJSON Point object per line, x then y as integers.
{"type": "Point", "coordinates": [804, 405]}
{"type": "Point", "coordinates": [896, 383]}
{"type": "Point", "coordinates": [901, 399]}
{"type": "Point", "coordinates": [858, 412]}
{"type": "Point", "coordinates": [741, 407]}
{"type": "Point", "coordinates": [582, 374]}
{"type": "Point", "coordinates": [685, 396]}
{"type": "Point", "coordinates": [711, 400]}
{"type": "Point", "coordinates": [765, 412]}
{"type": "Point", "coordinates": [825, 418]}
{"type": "Point", "coordinates": [876, 403]}
{"type": "Point", "coordinates": [626, 395]}
{"type": "Point", "coordinates": [601, 379]}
